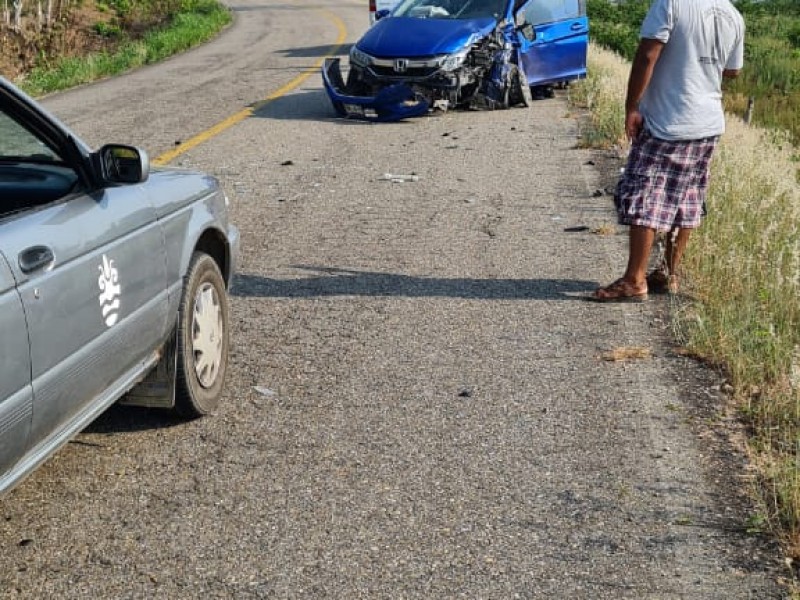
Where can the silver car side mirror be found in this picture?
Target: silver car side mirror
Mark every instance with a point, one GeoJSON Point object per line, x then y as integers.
{"type": "Point", "coordinates": [123, 164]}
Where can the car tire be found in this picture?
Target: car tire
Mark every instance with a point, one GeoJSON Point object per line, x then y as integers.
{"type": "Point", "coordinates": [202, 339]}
{"type": "Point", "coordinates": [515, 96]}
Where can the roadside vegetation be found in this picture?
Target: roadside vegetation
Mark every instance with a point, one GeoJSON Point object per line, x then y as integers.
{"type": "Point", "coordinates": [741, 307]}
{"type": "Point", "coordinates": [772, 55]}
{"type": "Point", "coordinates": [74, 42]}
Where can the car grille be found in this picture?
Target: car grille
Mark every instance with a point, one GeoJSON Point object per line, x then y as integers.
{"type": "Point", "coordinates": [415, 72]}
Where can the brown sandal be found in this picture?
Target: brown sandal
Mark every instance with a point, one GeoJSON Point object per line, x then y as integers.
{"type": "Point", "coordinates": [619, 291]}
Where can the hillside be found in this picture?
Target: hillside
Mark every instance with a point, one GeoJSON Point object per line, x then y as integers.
{"type": "Point", "coordinates": [30, 39]}
{"type": "Point", "coordinates": [66, 43]}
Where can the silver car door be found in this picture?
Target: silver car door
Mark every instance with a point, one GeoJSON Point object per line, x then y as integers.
{"type": "Point", "coordinates": [15, 374]}
{"type": "Point", "coordinates": [91, 272]}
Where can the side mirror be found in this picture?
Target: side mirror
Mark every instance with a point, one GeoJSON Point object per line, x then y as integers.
{"type": "Point", "coordinates": [123, 164]}
{"type": "Point", "coordinates": [381, 14]}
{"type": "Point", "coordinates": [527, 31]}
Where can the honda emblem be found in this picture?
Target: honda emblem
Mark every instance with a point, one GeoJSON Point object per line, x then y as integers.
{"type": "Point", "coordinates": [401, 65]}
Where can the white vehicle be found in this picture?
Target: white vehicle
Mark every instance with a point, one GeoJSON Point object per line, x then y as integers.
{"type": "Point", "coordinates": [376, 6]}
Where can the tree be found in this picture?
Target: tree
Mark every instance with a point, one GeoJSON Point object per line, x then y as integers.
{"type": "Point", "coordinates": [17, 25]}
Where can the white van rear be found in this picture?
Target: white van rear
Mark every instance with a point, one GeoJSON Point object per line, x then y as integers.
{"type": "Point", "coordinates": [376, 5]}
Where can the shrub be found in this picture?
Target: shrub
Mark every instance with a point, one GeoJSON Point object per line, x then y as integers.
{"type": "Point", "coordinates": [107, 29]}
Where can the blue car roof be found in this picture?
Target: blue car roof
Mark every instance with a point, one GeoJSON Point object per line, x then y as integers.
{"type": "Point", "coordinates": [409, 37]}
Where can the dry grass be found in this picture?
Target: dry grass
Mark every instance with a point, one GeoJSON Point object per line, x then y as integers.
{"type": "Point", "coordinates": [602, 94]}
{"type": "Point", "coordinates": [605, 229]}
{"type": "Point", "coordinates": [743, 271]}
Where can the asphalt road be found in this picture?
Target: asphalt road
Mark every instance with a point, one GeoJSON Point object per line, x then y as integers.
{"type": "Point", "coordinates": [419, 404]}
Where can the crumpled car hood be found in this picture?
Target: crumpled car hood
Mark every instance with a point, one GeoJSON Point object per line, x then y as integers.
{"type": "Point", "coordinates": [409, 38]}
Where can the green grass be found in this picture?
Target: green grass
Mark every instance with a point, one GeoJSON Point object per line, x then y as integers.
{"type": "Point", "coordinates": [742, 273]}
{"type": "Point", "coordinates": [186, 29]}
{"type": "Point", "coordinates": [771, 74]}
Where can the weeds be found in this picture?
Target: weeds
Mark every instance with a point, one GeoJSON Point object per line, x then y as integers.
{"type": "Point", "coordinates": [600, 93]}
{"type": "Point", "coordinates": [742, 270]}
{"type": "Point", "coordinates": [186, 29]}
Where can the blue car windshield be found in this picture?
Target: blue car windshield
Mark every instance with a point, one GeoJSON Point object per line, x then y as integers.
{"type": "Point", "coordinates": [451, 9]}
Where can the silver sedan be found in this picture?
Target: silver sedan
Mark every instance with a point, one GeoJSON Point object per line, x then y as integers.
{"type": "Point", "coordinates": [113, 282]}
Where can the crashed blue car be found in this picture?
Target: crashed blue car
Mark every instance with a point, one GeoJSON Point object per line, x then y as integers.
{"type": "Point", "coordinates": [442, 54]}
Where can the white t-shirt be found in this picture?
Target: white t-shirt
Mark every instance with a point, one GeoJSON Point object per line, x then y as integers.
{"type": "Point", "coordinates": [702, 37]}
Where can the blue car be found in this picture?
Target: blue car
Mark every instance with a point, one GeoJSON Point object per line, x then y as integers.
{"type": "Point", "coordinates": [428, 54]}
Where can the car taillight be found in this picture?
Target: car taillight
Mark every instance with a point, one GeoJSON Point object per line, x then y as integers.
{"type": "Point", "coordinates": [372, 6]}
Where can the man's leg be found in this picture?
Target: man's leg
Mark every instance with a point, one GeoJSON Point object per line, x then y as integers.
{"type": "Point", "coordinates": [640, 242]}
{"type": "Point", "coordinates": [633, 285]}
{"type": "Point", "coordinates": [665, 276]}
{"type": "Point", "coordinates": [676, 246]}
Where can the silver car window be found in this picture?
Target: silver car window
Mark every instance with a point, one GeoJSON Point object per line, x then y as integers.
{"type": "Point", "coordinates": [16, 143]}
{"type": "Point", "coordinates": [32, 173]}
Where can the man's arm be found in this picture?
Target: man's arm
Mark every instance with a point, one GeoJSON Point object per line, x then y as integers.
{"type": "Point", "coordinates": [730, 73]}
{"type": "Point", "coordinates": [641, 71]}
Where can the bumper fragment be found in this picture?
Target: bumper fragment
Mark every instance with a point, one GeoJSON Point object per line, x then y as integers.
{"type": "Point", "coordinates": [392, 103]}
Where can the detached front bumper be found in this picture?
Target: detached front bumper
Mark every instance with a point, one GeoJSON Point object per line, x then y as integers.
{"type": "Point", "coordinates": [392, 103]}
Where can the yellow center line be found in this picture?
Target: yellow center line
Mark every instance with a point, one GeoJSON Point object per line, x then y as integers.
{"type": "Point", "coordinates": [249, 111]}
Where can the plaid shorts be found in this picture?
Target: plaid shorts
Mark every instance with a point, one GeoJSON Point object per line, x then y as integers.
{"type": "Point", "coordinates": [664, 183]}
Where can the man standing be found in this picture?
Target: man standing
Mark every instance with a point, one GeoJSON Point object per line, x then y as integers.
{"type": "Point", "coordinates": [674, 117]}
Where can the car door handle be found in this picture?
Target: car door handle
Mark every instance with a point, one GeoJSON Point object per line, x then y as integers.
{"type": "Point", "coordinates": [576, 26]}
{"type": "Point", "coordinates": [35, 258]}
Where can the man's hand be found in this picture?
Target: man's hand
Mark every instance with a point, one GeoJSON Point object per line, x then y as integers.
{"type": "Point", "coordinates": [647, 55]}
{"type": "Point", "coordinates": [633, 124]}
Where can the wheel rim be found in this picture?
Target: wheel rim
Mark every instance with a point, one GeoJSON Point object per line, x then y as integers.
{"type": "Point", "coordinates": [207, 335]}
